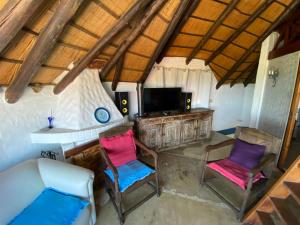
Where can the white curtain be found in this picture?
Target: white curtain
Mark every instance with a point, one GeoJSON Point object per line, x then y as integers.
{"type": "Point", "coordinates": [197, 81]}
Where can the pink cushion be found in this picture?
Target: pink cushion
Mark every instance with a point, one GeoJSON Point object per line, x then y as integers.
{"type": "Point", "coordinates": [234, 172]}
{"type": "Point", "coordinates": [121, 149]}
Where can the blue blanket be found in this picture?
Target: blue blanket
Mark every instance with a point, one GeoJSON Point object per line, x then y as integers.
{"type": "Point", "coordinates": [51, 207]}
{"type": "Point", "coordinates": [130, 173]}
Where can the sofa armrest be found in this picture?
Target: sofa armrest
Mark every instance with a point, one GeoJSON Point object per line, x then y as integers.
{"type": "Point", "coordinates": [68, 178]}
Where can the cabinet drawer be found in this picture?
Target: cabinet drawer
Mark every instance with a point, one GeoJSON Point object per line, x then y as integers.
{"type": "Point", "coordinates": [205, 115]}
{"type": "Point", "coordinates": [170, 119]}
{"type": "Point", "coordinates": [190, 117]}
{"type": "Point", "coordinates": [151, 121]}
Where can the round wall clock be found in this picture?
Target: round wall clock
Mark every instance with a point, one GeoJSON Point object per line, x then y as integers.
{"type": "Point", "coordinates": [102, 115]}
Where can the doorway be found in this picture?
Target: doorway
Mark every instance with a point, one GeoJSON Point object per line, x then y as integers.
{"type": "Point", "coordinates": [291, 144]}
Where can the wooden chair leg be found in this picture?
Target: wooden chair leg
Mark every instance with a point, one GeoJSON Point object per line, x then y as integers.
{"type": "Point", "coordinates": [157, 185]}
{"type": "Point", "coordinates": [245, 200]}
{"type": "Point", "coordinates": [204, 162]}
{"type": "Point", "coordinates": [119, 207]}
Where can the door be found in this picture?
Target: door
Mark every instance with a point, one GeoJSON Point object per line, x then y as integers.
{"type": "Point", "coordinates": [151, 135]}
{"type": "Point", "coordinates": [171, 134]}
{"type": "Point", "coordinates": [188, 131]}
{"type": "Point", "coordinates": [291, 123]}
{"type": "Point", "coordinates": [203, 128]}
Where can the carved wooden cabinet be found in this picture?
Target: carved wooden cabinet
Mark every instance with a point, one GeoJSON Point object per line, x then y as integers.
{"type": "Point", "coordinates": [178, 129]}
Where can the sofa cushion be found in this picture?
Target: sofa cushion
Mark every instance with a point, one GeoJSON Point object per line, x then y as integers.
{"type": "Point", "coordinates": [51, 207]}
{"type": "Point", "coordinates": [121, 149]}
{"type": "Point", "coordinates": [246, 154]}
{"type": "Point", "coordinates": [130, 173]}
{"type": "Point", "coordinates": [234, 172]}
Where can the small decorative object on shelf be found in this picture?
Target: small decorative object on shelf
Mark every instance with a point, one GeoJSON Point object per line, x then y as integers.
{"type": "Point", "coordinates": [50, 121]}
{"type": "Point", "coordinates": [102, 115]}
{"type": "Point", "coordinates": [49, 154]}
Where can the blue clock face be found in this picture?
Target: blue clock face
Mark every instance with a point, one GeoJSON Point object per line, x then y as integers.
{"type": "Point", "coordinates": [102, 115]}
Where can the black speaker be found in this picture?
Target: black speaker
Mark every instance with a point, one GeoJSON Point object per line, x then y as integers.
{"type": "Point", "coordinates": [121, 100]}
{"type": "Point", "coordinates": [186, 101]}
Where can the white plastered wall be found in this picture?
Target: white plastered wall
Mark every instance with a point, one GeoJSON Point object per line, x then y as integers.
{"type": "Point", "coordinates": [232, 105]}
{"type": "Point", "coordinates": [73, 109]}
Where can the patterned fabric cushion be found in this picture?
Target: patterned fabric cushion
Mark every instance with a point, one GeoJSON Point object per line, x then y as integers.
{"type": "Point", "coordinates": [130, 173]}
{"type": "Point", "coordinates": [246, 154]}
{"type": "Point", "coordinates": [234, 172]}
{"type": "Point", "coordinates": [121, 149]}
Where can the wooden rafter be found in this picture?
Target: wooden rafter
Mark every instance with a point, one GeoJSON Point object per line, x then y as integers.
{"type": "Point", "coordinates": [13, 17]}
{"type": "Point", "coordinates": [172, 26]}
{"type": "Point", "coordinates": [257, 43]}
{"type": "Point", "coordinates": [134, 34]}
{"type": "Point", "coordinates": [212, 30]}
{"type": "Point", "coordinates": [118, 73]}
{"type": "Point", "coordinates": [251, 76]}
{"type": "Point", "coordinates": [289, 37]}
{"type": "Point", "coordinates": [17, 61]}
{"type": "Point", "coordinates": [100, 45]}
{"type": "Point", "coordinates": [189, 11]}
{"type": "Point", "coordinates": [251, 67]}
{"type": "Point", "coordinates": [242, 28]}
{"type": "Point", "coordinates": [41, 49]}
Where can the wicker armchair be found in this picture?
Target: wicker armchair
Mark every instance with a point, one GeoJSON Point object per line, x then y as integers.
{"type": "Point", "coordinates": [237, 198]}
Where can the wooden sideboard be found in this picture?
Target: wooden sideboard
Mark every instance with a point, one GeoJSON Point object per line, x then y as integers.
{"type": "Point", "coordinates": [178, 129]}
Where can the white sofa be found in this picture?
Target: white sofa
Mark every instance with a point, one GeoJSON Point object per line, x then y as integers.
{"type": "Point", "coordinates": [21, 184]}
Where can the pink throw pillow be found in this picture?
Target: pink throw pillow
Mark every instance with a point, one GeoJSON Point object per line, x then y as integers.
{"type": "Point", "coordinates": [121, 149]}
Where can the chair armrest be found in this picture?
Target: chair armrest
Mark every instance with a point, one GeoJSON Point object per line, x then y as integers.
{"type": "Point", "coordinates": [109, 164]}
{"type": "Point", "coordinates": [148, 150]}
{"type": "Point", "coordinates": [210, 148]}
{"type": "Point", "coordinates": [269, 158]}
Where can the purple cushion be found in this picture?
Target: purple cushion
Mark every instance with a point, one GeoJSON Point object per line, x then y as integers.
{"type": "Point", "coordinates": [246, 154]}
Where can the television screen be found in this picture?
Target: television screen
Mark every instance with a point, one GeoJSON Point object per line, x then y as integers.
{"type": "Point", "coordinates": [161, 99]}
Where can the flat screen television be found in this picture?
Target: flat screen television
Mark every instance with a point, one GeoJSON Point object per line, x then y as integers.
{"type": "Point", "coordinates": [161, 99]}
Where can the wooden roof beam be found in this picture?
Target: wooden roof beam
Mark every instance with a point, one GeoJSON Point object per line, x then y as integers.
{"type": "Point", "coordinates": [134, 34]}
{"type": "Point", "coordinates": [212, 30]}
{"type": "Point", "coordinates": [257, 43]}
{"type": "Point", "coordinates": [41, 49]}
{"type": "Point", "coordinates": [243, 27]}
{"type": "Point", "coordinates": [251, 67]}
{"type": "Point", "coordinates": [188, 12]}
{"type": "Point", "coordinates": [118, 73]}
{"type": "Point", "coordinates": [251, 76]}
{"type": "Point", "coordinates": [13, 16]}
{"type": "Point", "coordinates": [100, 45]}
{"type": "Point", "coordinates": [172, 26]}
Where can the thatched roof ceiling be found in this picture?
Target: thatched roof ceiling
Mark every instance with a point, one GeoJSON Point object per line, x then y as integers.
{"type": "Point", "coordinates": [227, 34]}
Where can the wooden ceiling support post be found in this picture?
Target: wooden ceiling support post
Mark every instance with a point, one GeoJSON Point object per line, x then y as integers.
{"type": "Point", "coordinates": [134, 34]}
{"type": "Point", "coordinates": [188, 12]}
{"type": "Point", "coordinates": [212, 30]}
{"type": "Point", "coordinates": [251, 67]}
{"type": "Point", "coordinates": [13, 16]}
{"type": "Point", "coordinates": [257, 43]}
{"type": "Point", "coordinates": [172, 26]}
{"type": "Point", "coordinates": [100, 45]}
{"type": "Point", "coordinates": [118, 72]}
{"type": "Point", "coordinates": [243, 27]}
{"type": "Point", "coordinates": [41, 49]}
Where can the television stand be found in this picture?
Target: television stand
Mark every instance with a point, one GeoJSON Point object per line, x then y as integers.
{"type": "Point", "coordinates": [162, 132]}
